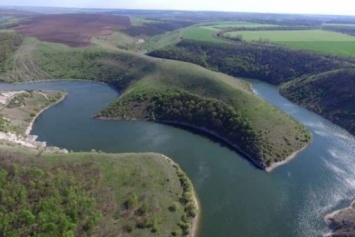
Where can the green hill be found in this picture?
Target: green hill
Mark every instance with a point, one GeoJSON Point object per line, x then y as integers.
{"type": "Point", "coordinates": [93, 194]}
{"type": "Point", "coordinates": [330, 94]}
{"type": "Point", "coordinates": [321, 83]}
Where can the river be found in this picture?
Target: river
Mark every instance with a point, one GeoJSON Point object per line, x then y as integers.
{"type": "Point", "coordinates": [237, 199]}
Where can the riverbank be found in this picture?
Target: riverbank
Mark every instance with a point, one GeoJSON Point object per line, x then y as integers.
{"type": "Point", "coordinates": [288, 159]}
{"type": "Point", "coordinates": [19, 111]}
{"type": "Point", "coordinates": [195, 220]}
{"type": "Point", "coordinates": [341, 222]}
{"type": "Point", "coordinates": [214, 135]}
{"type": "Point", "coordinates": [30, 126]}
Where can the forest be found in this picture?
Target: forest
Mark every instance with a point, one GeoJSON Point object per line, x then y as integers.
{"type": "Point", "coordinates": [271, 63]}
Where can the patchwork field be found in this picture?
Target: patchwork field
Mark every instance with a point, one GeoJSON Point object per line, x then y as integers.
{"type": "Point", "coordinates": [316, 40]}
{"type": "Point", "coordinates": [72, 29]}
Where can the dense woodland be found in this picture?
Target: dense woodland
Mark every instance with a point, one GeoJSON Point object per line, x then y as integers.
{"type": "Point", "coordinates": [271, 63]}
{"type": "Point", "coordinates": [349, 30]}
{"type": "Point", "coordinates": [331, 94]}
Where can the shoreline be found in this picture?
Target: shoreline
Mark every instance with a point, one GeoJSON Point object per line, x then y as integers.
{"type": "Point", "coordinates": [288, 159]}
{"type": "Point", "coordinates": [196, 220]}
{"type": "Point", "coordinates": [259, 165]}
{"type": "Point", "coordinates": [30, 125]}
{"type": "Point", "coordinates": [25, 139]}
{"type": "Point", "coordinates": [226, 141]}
{"type": "Point", "coordinates": [330, 217]}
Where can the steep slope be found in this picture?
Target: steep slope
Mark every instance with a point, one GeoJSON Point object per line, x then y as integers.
{"type": "Point", "coordinates": [329, 94]}
{"type": "Point", "coordinates": [321, 83]}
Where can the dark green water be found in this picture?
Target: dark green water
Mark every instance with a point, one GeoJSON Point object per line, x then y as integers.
{"type": "Point", "coordinates": [237, 199]}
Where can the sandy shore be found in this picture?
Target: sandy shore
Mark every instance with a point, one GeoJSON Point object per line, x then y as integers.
{"type": "Point", "coordinates": [288, 159]}
{"type": "Point", "coordinates": [27, 140]}
{"type": "Point", "coordinates": [195, 221]}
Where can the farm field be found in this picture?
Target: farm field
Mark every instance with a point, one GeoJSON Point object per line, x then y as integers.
{"type": "Point", "coordinates": [72, 30]}
{"type": "Point", "coordinates": [200, 33]}
{"type": "Point", "coordinates": [207, 31]}
{"type": "Point", "coordinates": [316, 40]}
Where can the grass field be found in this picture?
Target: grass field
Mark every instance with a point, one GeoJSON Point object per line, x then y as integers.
{"type": "Point", "coordinates": [201, 33]}
{"type": "Point", "coordinates": [316, 40]}
{"type": "Point", "coordinates": [207, 31]}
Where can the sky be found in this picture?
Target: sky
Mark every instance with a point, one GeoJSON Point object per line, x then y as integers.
{"type": "Point", "coordinates": [334, 7]}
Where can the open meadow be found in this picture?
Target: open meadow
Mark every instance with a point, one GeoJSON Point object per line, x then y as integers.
{"type": "Point", "coordinates": [316, 40]}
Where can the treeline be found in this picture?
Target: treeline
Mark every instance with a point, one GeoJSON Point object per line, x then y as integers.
{"type": "Point", "coordinates": [290, 22]}
{"type": "Point", "coordinates": [330, 94]}
{"type": "Point", "coordinates": [349, 30]}
{"type": "Point", "coordinates": [157, 28]}
{"type": "Point", "coordinates": [271, 63]}
{"type": "Point", "coordinates": [245, 28]}
{"type": "Point", "coordinates": [9, 43]}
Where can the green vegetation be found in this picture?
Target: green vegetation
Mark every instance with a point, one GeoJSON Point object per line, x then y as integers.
{"type": "Point", "coordinates": [316, 40]}
{"type": "Point", "coordinates": [9, 43]}
{"type": "Point", "coordinates": [201, 33]}
{"type": "Point", "coordinates": [23, 107]}
{"type": "Point", "coordinates": [157, 27]}
{"type": "Point", "coordinates": [140, 76]}
{"type": "Point", "coordinates": [313, 83]}
{"type": "Point", "coordinates": [93, 194]}
{"type": "Point", "coordinates": [329, 94]}
{"type": "Point", "coordinates": [7, 22]}
{"type": "Point", "coordinates": [270, 63]}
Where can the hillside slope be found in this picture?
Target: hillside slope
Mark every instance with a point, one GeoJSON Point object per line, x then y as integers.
{"type": "Point", "coordinates": [329, 94]}
{"type": "Point", "coordinates": [321, 83]}
{"type": "Point", "coordinates": [93, 194]}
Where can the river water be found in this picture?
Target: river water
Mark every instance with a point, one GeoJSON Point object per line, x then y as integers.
{"type": "Point", "coordinates": [237, 199]}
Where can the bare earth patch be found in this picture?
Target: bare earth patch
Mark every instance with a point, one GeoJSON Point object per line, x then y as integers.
{"type": "Point", "coordinates": [75, 30]}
